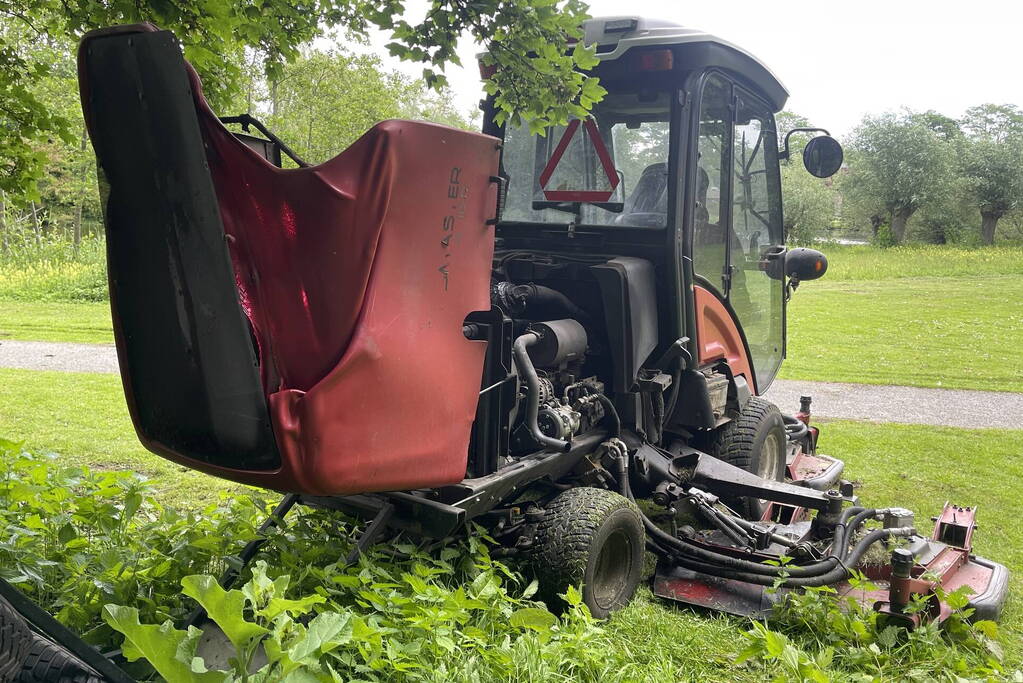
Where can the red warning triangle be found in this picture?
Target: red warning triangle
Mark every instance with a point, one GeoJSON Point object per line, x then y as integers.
{"type": "Point", "coordinates": [564, 192]}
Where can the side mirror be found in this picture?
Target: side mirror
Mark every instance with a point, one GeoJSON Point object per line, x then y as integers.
{"type": "Point", "coordinates": [805, 264]}
{"type": "Point", "coordinates": [823, 156]}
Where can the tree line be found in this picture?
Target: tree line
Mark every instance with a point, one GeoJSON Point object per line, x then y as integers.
{"type": "Point", "coordinates": [916, 175]}
{"type": "Point", "coordinates": [909, 175]}
{"type": "Point", "coordinates": [319, 103]}
{"type": "Point", "coordinates": [245, 50]}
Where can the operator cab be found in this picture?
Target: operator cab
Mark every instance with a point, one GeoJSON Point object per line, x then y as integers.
{"type": "Point", "coordinates": [678, 165]}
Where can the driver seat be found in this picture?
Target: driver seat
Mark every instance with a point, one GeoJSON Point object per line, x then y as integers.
{"type": "Point", "coordinates": [648, 203]}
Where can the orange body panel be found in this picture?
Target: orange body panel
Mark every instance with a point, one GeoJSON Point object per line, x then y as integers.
{"type": "Point", "coordinates": [718, 337]}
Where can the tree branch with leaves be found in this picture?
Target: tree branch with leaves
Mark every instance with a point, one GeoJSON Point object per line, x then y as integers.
{"type": "Point", "coordinates": [539, 75]}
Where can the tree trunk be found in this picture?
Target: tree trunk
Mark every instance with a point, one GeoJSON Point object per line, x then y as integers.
{"type": "Point", "coordinates": [76, 237]}
{"type": "Point", "coordinates": [876, 221]}
{"type": "Point", "coordinates": [988, 223]}
{"type": "Point", "coordinates": [3, 223]}
{"type": "Point", "coordinates": [35, 225]}
{"type": "Point", "coordinates": [899, 219]}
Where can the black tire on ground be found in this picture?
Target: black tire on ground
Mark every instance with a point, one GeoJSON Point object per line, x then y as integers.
{"type": "Point", "coordinates": [15, 641]}
{"type": "Point", "coordinates": [592, 537]}
{"type": "Point", "coordinates": [48, 662]}
{"type": "Point", "coordinates": [755, 441]}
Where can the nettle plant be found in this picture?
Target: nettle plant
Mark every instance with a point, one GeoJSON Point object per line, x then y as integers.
{"type": "Point", "coordinates": [74, 539]}
{"type": "Point", "coordinates": [98, 551]}
{"type": "Point", "coordinates": [818, 635]}
{"type": "Point", "coordinates": [370, 627]}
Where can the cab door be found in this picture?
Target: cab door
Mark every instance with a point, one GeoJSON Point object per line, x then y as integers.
{"type": "Point", "coordinates": [756, 236]}
{"type": "Point", "coordinates": [736, 229]}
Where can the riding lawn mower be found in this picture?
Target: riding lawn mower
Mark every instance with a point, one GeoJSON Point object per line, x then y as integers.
{"type": "Point", "coordinates": [562, 338]}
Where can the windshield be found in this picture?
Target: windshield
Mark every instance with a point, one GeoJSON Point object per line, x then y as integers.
{"type": "Point", "coordinates": [611, 169]}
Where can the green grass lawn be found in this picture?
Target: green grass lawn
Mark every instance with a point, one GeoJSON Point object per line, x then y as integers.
{"type": "Point", "coordinates": [59, 322]}
{"type": "Point", "coordinates": [83, 417]}
{"type": "Point", "coordinates": [931, 316]}
{"type": "Point", "coordinates": [865, 262]}
{"type": "Point", "coordinates": [964, 333]}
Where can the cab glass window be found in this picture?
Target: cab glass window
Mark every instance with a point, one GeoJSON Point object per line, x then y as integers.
{"type": "Point", "coordinates": [709, 243]}
{"type": "Point", "coordinates": [756, 235]}
{"type": "Point", "coordinates": [629, 162]}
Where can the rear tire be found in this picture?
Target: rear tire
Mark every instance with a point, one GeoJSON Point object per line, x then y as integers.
{"type": "Point", "coordinates": [15, 641]}
{"type": "Point", "coordinates": [593, 538]}
{"type": "Point", "coordinates": [27, 657]}
{"type": "Point", "coordinates": [757, 442]}
{"type": "Point", "coordinates": [48, 662]}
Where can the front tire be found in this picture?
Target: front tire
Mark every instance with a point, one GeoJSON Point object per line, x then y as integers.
{"type": "Point", "coordinates": [757, 442]}
{"type": "Point", "coordinates": [593, 538]}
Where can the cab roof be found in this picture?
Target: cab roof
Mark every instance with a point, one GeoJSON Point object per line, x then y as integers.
{"type": "Point", "coordinates": [615, 35]}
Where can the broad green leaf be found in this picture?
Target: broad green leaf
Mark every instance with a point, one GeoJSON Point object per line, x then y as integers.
{"type": "Point", "coordinates": [160, 645]}
{"type": "Point", "coordinates": [294, 607]}
{"type": "Point", "coordinates": [66, 534]}
{"type": "Point", "coordinates": [226, 608]}
{"type": "Point", "coordinates": [987, 627]}
{"type": "Point", "coordinates": [327, 631]}
{"type": "Point", "coordinates": [774, 643]}
{"type": "Point", "coordinates": [132, 503]}
{"type": "Point", "coordinates": [534, 618]}
{"type": "Point", "coordinates": [573, 597]}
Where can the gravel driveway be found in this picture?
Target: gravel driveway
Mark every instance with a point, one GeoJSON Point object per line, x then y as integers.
{"type": "Point", "coordinates": [912, 405]}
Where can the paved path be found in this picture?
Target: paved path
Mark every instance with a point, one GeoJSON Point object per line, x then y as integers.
{"type": "Point", "coordinates": [950, 407]}
{"type": "Point", "coordinates": [65, 357]}
{"type": "Point", "coordinates": [913, 405]}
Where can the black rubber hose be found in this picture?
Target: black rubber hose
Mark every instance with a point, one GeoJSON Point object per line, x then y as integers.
{"type": "Point", "coordinates": [623, 479]}
{"type": "Point", "coordinates": [528, 374]}
{"type": "Point", "coordinates": [826, 565]}
{"type": "Point", "coordinates": [612, 413]}
{"type": "Point", "coordinates": [839, 573]}
{"type": "Point", "coordinates": [547, 298]}
{"type": "Point", "coordinates": [721, 563]}
{"type": "Point", "coordinates": [714, 559]}
{"type": "Point", "coordinates": [794, 428]}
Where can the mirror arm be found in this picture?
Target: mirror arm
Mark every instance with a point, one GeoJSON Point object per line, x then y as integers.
{"type": "Point", "coordinates": [784, 153]}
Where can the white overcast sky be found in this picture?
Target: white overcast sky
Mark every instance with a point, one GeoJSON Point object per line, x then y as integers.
{"type": "Point", "coordinates": [841, 60]}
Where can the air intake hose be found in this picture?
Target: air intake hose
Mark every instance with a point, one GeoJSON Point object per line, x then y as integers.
{"type": "Point", "coordinates": [527, 372]}
{"type": "Point", "coordinates": [544, 302]}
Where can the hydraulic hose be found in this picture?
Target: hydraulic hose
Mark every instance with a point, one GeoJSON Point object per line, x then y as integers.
{"type": "Point", "coordinates": [819, 567]}
{"type": "Point", "coordinates": [623, 480]}
{"type": "Point", "coordinates": [833, 568]}
{"type": "Point", "coordinates": [839, 573]}
{"type": "Point", "coordinates": [794, 428]}
{"type": "Point", "coordinates": [612, 413]}
{"type": "Point", "coordinates": [528, 374]}
{"type": "Point", "coordinates": [714, 561]}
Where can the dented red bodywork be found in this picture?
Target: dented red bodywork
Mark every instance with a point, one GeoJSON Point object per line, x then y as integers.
{"type": "Point", "coordinates": [356, 276]}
